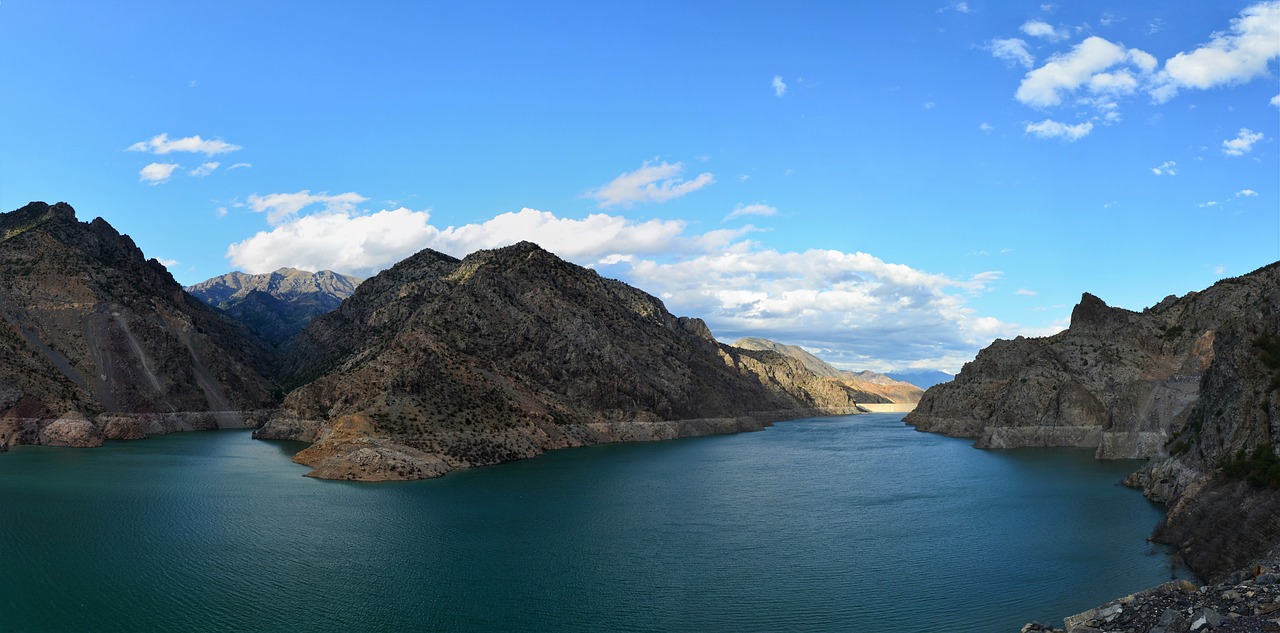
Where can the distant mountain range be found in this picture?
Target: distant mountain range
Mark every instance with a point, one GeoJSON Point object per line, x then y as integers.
{"type": "Point", "coordinates": [276, 305]}
{"type": "Point", "coordinates": [872, 388]}
{"type": "Point", "coordinates": [923, 378]}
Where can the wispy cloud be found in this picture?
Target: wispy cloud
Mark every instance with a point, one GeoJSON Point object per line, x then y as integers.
{"type": "Point", "coordinates": [1049, 128]}
{"type": "Point", "coordinates": [1167, 168]}
{"type": "Point", "coordinates": [1024, 292]}
{"type": "Point", "coordinates": [1013, 51]}
{"type": "Point", "coordinates": [752, 209]}
{"type": "Point", "coordinates": [959, 7]}
{"type": "Point", "coordinates": [1246, 193]}
{"type": "Point", "coordinates": [1039, 28]}
{"type": "Point", "coordinates": [650, 183]}
{"type": "Point", "coordinates": [204, 169]}
{"type": "Point", "coordinates": [280, 207]}
{"type": "Point", "coordinates": [157, 173]}
{"type": "Point", "coordinates": [779, 87]}
{"type": "Point", "coordinates": [160, 144]}
{"type": "Point", "coordinates": [1242, 143]}
{"type": "Point", "coordinates": [986, 127]}
{"type": "Point", "coordinates": [239, 166]}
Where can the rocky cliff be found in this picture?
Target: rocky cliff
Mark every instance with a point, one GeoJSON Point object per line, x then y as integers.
{"type": "Point", "coordinates": [276, 305]}
{"type": "Point", "coordinates": [871, 388]}
{"type": "Point", "coordinates": [439, 363]}
{"type": "Point", "coordinates": [1192, 383]}
{"type": "Point", "coordinates": [97, 342]}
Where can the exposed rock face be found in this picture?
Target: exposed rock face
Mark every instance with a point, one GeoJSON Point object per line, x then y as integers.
{"type": "Point", "coordinates": [872, 388]}
{"type": "Point", "coordinates": [277, 305]}
{"type": "Point", "coordinates": [1183, 383]}
{"type": "Point", "coordinates": [437, 364]}
{"type": "Point", "coordinates": [92, 333]}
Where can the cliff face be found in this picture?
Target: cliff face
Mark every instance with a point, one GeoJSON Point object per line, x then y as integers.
{"type": "Point", "coordinates": [96, 342]}
{"type": "Point", "coordinates": [276, 305]}
{"type": "Point", "coordinates": [870, 387]}
{"type": "Point", "coordinates": [438, 364]}
{"type": "Point", "coordinates": [1186, 383]}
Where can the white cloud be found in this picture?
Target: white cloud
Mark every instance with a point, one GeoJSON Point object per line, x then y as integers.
{"type": "Point", "coordinates": [752, 209]}
{"type": "Point", "coordinates": [1275, 101]}
{"type": "Point", "coordinates": [204, 169]}
{"type": "Point", "coordinates": [650, 183]}
{"type": "Point", "coordinates": [1211, 203]}
{"type": "Point", "coordinates": [1064, 73]}
{"type": "Point", "coordinates": [1167, 168]}
{"type": "Point", "coordinates": [1024, 292]}
{"type": "Point", "coordinates": [169, 263]}
{"type": "Point", "coordinates": [282, 206]}
{"type": "Point", "coordinates": [959, 7]}
{"type": "Point", "coordinates": [220, 212]}
{"type": "Point", "coordinates": [1049, 128]}
{"type": "Point", "coordinates": [1246, 193]}
{"type": "Point", "coordinates": [986, 127]}
{"type": "Point", "coordinates": [156, 173]}
{"type": "Point", "coordinates": [779, 88]}
{"type": "Point", "coordinates": [1234, 56]}
{"type": "Point", "coordinates": [1219, 270]}
{"type": "Point", "coordinates": [1037, 28]}
{"type": "Point", "coordinates": [160, 144]}
{"type": "Point", "coordinates": [1242, 143]}
{"type": "Point", "coordinates": [870, 313]}
{"type": "Point", "coordinates": [1012, 51]}
{"type": "Point", "coordinates": [239, 166]}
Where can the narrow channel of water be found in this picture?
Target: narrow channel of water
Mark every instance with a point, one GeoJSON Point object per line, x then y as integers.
{"type": "Point", "coordinates": [833, 524]}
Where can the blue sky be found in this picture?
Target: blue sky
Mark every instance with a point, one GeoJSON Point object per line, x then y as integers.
{"type": "Point", "coordinates": [892, 185]}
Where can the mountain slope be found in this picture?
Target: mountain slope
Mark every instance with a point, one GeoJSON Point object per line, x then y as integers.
{"type": "Point", "coordinates": [438, 364]}
{"type": "Point", "coordinates": [276, 305]}
{"type": "Point", "coordinates": [99, 343]}
{"type": "Point", "coordinates": [872, 388]}
{"type": "Point", "coordinates": [1191, 383]}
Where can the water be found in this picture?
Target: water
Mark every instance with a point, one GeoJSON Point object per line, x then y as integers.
{"type": "Point", "coordinates": [836, 524]}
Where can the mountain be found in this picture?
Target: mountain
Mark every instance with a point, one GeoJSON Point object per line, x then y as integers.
{"type": "Point", "coordinates": [872, 388]}
{"type": "Point", "coordinates": [276, 305]}
{"type": "Point", "coordinates": [923, 378]}
{"type": "Point", "coordinates": [100, 343]}
{"type": "Point", "coordinates": [439, 363]}
{"type": "Point", "coordinates": [1192, 383]}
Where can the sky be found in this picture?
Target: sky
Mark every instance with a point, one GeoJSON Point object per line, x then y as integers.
{"type": "Point", "coordinates": [891, 185]}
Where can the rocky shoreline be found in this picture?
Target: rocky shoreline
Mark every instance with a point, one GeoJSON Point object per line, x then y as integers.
{"type": "Point", "coordinates": [1248, 601]}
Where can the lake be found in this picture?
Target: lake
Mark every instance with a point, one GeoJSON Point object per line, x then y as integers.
{"type": "Point", "coordinates": [854, 523]}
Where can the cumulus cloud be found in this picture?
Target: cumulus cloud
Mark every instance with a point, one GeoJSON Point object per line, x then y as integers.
{"type": "Point", "coordinates": [779, 87]}
{"type": "Point", "coordinates": [650, 183]}
{"type": "Point", "coordinates": [1242, 143]}
{"type": "Point", "coordinates": [1063, 73]}
{"type": "Point", "coordinates": [752, 209]}
{"type": "Point", "coordinates": [156, 173]}
{"type": "Point", "coordinates": [160, 144]}
{"type": "Point", "coordinates": [1246, 193]}
{"type": "Point", "coordinates": [1013, 51]}
{"type": "Point", "coordinates": [1038, 28]}
{"type": "Point", "coordinates": [282, 206]}
{"type": "Point", "coordinates": [1234, 56]}
{"type": "Point", "coordinates": [1049, 128]}
{"type": "Point", "coordinates": [869, 313]}
{"type": "Point", "coordinates": [204, 169]}
{"type": "Point", "coordinates": [1275, 101]}
{"type": "Point", "coordinates": [1167, 168]}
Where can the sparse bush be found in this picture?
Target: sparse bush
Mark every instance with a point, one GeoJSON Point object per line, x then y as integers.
{"type": "Point", "coordinates": [1261, 468]}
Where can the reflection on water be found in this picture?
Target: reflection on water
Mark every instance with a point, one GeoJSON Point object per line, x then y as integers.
{"type": "Point", "coordinates": [834, 524]}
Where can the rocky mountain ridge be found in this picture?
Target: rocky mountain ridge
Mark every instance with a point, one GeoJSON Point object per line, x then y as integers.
{"type": "Point", "coordinates": [276, 305]}
{"type": "Point", "coordinates": [97, 342]}
{"type": "Point", "coordinates": [439, 363]}
{"type": "Point", "coordinates": [872, 388]}
{"type": "Point", "coordinates": [1185, 383]}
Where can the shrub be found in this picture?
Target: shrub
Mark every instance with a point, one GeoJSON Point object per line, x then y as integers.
{"type": "Point", "coordinates": [1261, 468]}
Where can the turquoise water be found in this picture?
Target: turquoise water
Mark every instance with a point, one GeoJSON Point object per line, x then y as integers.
{"type": "Point", "coordinates": [834, 524]}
